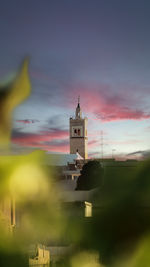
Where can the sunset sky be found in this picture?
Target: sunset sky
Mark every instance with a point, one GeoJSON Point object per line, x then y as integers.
{"type": "Point", "coordinates": [98, 49]}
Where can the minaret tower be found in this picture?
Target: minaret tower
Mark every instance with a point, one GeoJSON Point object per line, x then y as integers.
{"type": "Point", "coordinates": [78, 133]}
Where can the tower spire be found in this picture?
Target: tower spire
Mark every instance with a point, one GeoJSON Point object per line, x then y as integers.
{"type": "Point", "coordinates": [79, 100]}
{"type": "Point", "coordinates": [78, 105]}
{"type": "Point", "coordinates": [78, 110]}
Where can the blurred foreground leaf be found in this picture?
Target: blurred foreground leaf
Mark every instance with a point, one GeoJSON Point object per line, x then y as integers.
{"type": "Point", "coordinates": [12, 95]}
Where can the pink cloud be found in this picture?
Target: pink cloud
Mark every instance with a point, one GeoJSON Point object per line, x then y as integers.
{"type": "Point", "coordinates": [63, 148]}
{"type": "Point", "coordinates": [53, 148]}
{"type": "Point", "coordinates": [56, 141]}
{"type": "Point", "coordinates": [108, 107]}
{"type": "Point", "coordinates": [27, 121]}
{"type": "Point", "coordinates": [93, 143]}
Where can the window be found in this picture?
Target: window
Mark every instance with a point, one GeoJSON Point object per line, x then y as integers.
{"type": "Point", "coordinates": [79, 132]}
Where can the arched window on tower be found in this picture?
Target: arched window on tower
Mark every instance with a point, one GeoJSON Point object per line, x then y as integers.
{"type": "Point", "coordinates": [75, 131]}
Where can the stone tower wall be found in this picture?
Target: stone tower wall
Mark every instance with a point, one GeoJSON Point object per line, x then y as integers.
{"type": "Point", "coordinates": [79, 143]}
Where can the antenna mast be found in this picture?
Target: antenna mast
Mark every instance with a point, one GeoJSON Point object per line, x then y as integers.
{"type": "Point", "coordinates": [102, 145]}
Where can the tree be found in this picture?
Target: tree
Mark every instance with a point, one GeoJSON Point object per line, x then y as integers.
{"type": "Point", "coordinates": [91, 176]}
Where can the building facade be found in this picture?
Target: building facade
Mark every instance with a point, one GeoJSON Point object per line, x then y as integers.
{"type": "Point", "coordinates": [78, 133]}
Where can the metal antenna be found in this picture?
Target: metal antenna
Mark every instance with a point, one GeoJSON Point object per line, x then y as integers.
{"type": "Point", "coordinates": [113, 150]}
{"type": "Point", "coordinates": [102, 144]}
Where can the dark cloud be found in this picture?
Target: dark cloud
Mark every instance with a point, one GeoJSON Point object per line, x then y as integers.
{"type": "Point", "coordinates": [53, 139]}
{"type": "Point", "coordinates": [56, 121]}
{"type": "Point", "coordinates": [17, 132]}
{"type": "Point", "coordinates": [58, 143]}
{"type": "Point", "coordinates": [141, 153]}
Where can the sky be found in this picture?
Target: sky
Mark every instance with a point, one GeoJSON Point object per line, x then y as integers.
{"type": "Point", "coordinates": [97, 49]}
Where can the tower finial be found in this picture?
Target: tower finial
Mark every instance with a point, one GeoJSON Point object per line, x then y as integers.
{"type": "Point", "coordinates": [79, 99]}
{"type": "Point", "coordinates": [78, 102]}
{"type": "Point", "coordinates": [78, 109]}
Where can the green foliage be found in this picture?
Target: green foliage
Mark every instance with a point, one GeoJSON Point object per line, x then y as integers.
{"type": "Point", "coordinates": [13, 259]}
{"type": "Point", "coordinates": [91, 176]}
{"type": "Point", "coordinates": [120, 230]}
